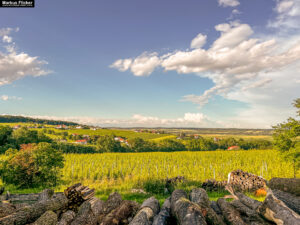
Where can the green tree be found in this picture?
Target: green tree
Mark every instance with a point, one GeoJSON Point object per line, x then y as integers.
{"type": "Point", "coordinates": [108, 144]}
{"type": "Point", "coordinates": [5, 134]}
{"type": "Point", "coordinates": [35, 165]}
{"type": "Point", "coordinates": [140, 145]}
{"type": "Point", "coordinates": [169, 145]}
{"type": "Point", "coordinates": [286, 139]}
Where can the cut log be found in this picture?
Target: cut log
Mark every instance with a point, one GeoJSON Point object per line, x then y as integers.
{"type": "Point", "coordinates": [251, 203]}
{"type": "Point", "coordinates": [6, 209]}
{"type": "Point", "coordinates": [291, 201]}
{"type": "Point", "coordinates": [215, 207]}
{"type": "Point", "coordinates": [200, 197]}
{"type": "Point", "coordinates": [48, 218]}
{"type": "Point", "coordinates": [66, 218]}
{"type": "Point", "coordinates": [176, 195]}
{"type": "Point", "coordinates": [114, 200]}
{"type": "Point", "coordinates": [31, 213]}
{"type": "Point", "coordinates": [276, 211]}
{"type": "Point", "coordinates": [163, 217]}
{"type": "Point", "coordinates": [89, 212]}
{"type": "Point", "coordinates": [231, 215]}
{"type": "Point", "coordinates": [147, 212]}
{"type": "Point", "coordinates": [45, 195]}
{"type": "Point", "coordinates": [122, 215]}
{"type": "Point", "coordinates": [290, 185]}
{"type": "Point", "coordinates": [77, 194]}
{"type": "Point", "coordinates": [249, 215]}
{"type": "Point", "coordinates": [185, 211]}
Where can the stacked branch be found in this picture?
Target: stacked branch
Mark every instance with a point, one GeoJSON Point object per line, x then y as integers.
{"type": "Point", "coordinates": [77, 194]}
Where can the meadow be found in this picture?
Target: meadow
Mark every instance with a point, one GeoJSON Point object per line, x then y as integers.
{"type": "Point", "coordinates": [123, 172]}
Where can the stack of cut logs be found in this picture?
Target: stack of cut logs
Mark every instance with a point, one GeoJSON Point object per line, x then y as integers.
{"type": "Point", "coordinates": [77, 194]}
{"type": "Point", "coordinates": [194, 208]}
{"type": "Point", "coordinates": [238, 180]}
{"type": "Point", "coordinates": [213, 185]}
{"type": "Point", "coordinates": [243, 181]}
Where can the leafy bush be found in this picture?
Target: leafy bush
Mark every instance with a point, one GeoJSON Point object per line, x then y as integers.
{"type": "Point", "coordinates": [35, 165]}
{"type": "Point", "coordinates": [154, 186]}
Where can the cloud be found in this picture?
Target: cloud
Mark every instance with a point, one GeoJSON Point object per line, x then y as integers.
{"type": "Point", "coordinates": [198, 41]}
{"type": "Point", "coordinates": [142, 65]}
{"type": "Point", "coordinates": [230, 3]}
{"type": "Point", "coordinates": [16, 65]}
{"type": "Point", "coordinates": [7, 98]}
{"type": "Point", "coordinates": [138, 120]}
{"type": "Point", "coordinates": [288, 15]}
{"type": "Point", "coordinates": [234, 59]}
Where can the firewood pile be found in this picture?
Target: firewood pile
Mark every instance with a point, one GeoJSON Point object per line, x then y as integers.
{"type": "Point", "coordinates": [78, 206]}
{"type": "Point", "coordinates": [238, 180]}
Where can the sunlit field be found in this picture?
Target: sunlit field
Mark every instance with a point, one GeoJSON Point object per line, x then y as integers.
{"type": "Point", "coordinates": [127, 170]}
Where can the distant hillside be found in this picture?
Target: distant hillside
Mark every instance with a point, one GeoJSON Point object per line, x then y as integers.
{"type": "Point", "coordinates": [22, 119]}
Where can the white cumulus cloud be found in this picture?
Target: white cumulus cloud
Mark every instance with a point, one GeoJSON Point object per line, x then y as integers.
{"type": "Point", "coordinates": [230, 3]}
{"type": "Point", "coordinates": [15, 65]}
{"type": "Point", "coordinates": [142, 65]}
{"type": "Point", "coordinates": [198, 41]}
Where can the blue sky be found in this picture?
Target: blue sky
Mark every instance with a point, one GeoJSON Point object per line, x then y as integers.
{"type": "Point", "coordinates": [194, 63]}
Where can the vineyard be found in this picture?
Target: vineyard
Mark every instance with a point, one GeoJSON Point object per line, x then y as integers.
{"type": "Point", "coordinates": [124, 171]}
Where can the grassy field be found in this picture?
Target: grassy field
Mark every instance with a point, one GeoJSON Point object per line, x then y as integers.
{"type": "Point", "coordinates": [123, 172]}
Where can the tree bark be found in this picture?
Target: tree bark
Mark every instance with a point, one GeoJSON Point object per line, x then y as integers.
{"type": "Point", "coordinates": [249, 215]}
{"type": "Point", "coordinates": [122, 214]}
{"type": "Point", "coordinates": [291, 201]}
{"type": "Point", "coordinates": [290, 185]}
{"type": "Point", "coordinates": [163, 218]}
{"type": "Point", "coordinates": [114, 200]}
{"type": "Point", "coordinates": [89, 212]}
{"type": "Point", "coordinates": [67, 217]}
{"type": "Point", "coordinates": [45, 195]}
{"type": "Point", "coordinates": [251, 203]}
{"type": "Point", "coordinates": [200, 197]}
{"type": "Point", "coordinates": [231, 215]}
{"type": "Point", "coordinates": [276, 211]}
{"type": "Point", "coordinates": [6, 209]}
{"type": "Point", "coordinates": [48, 218]}
{"type": "Point", "coordinates": [185, 211]}
{"type": "Point", "coordinates": [31, 213]}
{"type": "Point", "coordinates": [147, 212]}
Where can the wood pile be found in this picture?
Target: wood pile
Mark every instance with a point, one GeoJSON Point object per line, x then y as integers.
{"type": "Point", "coordinates": [213, 185]}
{"type": "Point", "coordinates": [244, 181]}
{"type": "Point", "coordinates": [78, 206]}
{"type": "Point", "coordinates": [238, 180]}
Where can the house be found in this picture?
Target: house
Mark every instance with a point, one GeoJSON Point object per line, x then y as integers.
{"type": "Point", "coordinates": [16, 127]}
{"type": "Point", "coordinates": [74, 135]}
{"type": "Point", "coordinates": [196, 136]}
{"type": "Point", "coordinates": [79, 127]}
{"type": "Point", "coordinates": [120, 139]}
{"type": "Point", "coordinates": [82, 142]}
{"type": "Point", "coordinates": [93, 128]}
{"type": "Point", "coordinates": [234, 147]}
{"type": "Point", "coordinates": [216, 139]}
{"type": "Point", "coordinates": [62, 127]}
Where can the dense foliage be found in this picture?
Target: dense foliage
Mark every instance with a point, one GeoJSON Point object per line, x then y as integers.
{"type": "Point", "coordinates": [286, 139]}
{"type": "Point", "coordinates": [22, 119]}
{"type": "Point", "coordinates": [10, 138]}
{"type": "Point", "coordinates": [33, 165]}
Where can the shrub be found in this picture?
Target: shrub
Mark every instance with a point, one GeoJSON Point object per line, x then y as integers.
{"type": "Point", "coordinates": [154, 186]}
{"type": "Point", "coordinates": [35, 165]}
